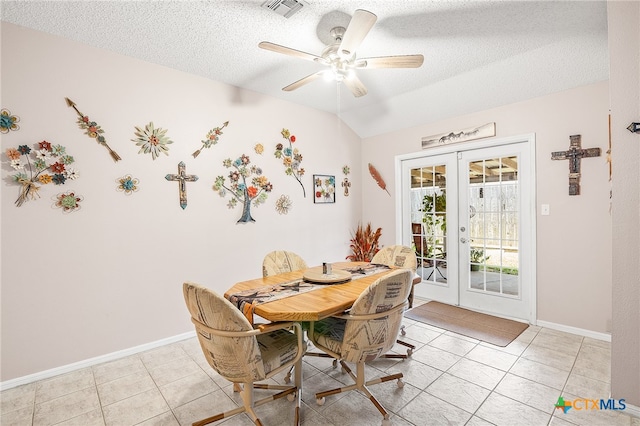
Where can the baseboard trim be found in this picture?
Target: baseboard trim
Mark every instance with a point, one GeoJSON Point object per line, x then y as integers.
{"type": "Point", "coordinates": [632, 410]}
{"type": "Point", "coordinates": [574, 330]}
{"type": "Point", "coordinates": [8, 384]}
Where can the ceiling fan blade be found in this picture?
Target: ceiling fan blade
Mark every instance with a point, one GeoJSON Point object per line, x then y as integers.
{"type": "Point", "coordinates": [288, 51]}
{"type": "Point", "coordinates": [303, 81]}
{"type": "Point", "coordinates": [354, 84]}
{"type": "Point", "coordinates": [401, 61]}
{"type": "Point", "coordinates": [358, 28]}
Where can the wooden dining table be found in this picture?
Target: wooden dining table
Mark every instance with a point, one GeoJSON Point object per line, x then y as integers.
{"type": "Point", "coordinates": [329, 299]}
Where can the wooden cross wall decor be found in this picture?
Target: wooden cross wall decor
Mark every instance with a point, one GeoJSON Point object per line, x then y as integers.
{"type": "Point", "coordinates": [574, 154]}
{"type": "Point", "coordinates": [182, 177]}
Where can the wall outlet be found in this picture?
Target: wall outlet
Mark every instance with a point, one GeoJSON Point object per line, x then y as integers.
{"type": "Point", "coordinates": [544, 209]}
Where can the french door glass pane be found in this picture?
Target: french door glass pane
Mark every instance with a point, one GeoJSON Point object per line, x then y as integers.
{"type": "Point", "coordinates": [428, 221]}
{"type": "Point", "coordinates": [493, 226]}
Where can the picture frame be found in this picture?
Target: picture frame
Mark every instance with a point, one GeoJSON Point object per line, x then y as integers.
{"type": "Point", "coordinates": [324, 189]}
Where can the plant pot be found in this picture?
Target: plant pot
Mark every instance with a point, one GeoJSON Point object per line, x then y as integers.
{"type": "Point", "coordinates": [475, 267]}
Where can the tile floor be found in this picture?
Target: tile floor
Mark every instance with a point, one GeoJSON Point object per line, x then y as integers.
{"type": "Point", "coordinates": [449, 380]}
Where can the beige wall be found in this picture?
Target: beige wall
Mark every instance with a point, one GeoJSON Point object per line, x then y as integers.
{"type": "Point", "coordinates": [574, 241]}
{"type": "Point", "coordinates": [109, 277]}
{"type": "Point", "coordinates": [624, 51]}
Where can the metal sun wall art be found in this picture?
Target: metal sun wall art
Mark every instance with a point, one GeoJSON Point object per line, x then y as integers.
{"type": "Point", "coordinates": [182, 178]}
{"type": "Point", "coordinates": [283, 204]}
{"type": "Point", "coordinates": [8, 121]}
{"type": "Point", "coordinates": [324, 189]}
{"type": "Point", "coordinates": [44, 165]}
{"type": "Point", "coordinates": [92, 129]}
{"type": "Point", "coordinates": [291, 158]}
{"type": "Point", "coordinates": [211, 139]}
{"type": "Point", "coordinates": [152, 140]}
{"type": "Point", "coordinates": [246, 185]}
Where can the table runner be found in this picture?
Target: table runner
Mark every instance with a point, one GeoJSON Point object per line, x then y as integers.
{"type": "Point", "coordinates": [246, 300]}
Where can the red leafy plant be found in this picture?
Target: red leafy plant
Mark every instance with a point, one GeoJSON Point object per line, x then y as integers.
{"type": "Point", "coordinates": [364, 243]}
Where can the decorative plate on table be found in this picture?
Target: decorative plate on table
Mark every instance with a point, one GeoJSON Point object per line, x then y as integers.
{"type": "Point", "coordinates": [336, 276]}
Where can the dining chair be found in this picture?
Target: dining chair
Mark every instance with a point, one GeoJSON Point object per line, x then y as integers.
{"type": "Point", "coordinates": [399, 256]}
{"type": "Point", "coordinates": [279, 261]}
{"type": "Point", "coordinates": [243, 354]}
{"type": "Point", "coordinates": [422, 249]}
{"type": "Point", "coordinates": [366, 332]}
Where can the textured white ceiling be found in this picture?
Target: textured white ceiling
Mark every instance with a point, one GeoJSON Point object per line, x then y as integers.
{"type": "Point", "coordinates": [478, 54]}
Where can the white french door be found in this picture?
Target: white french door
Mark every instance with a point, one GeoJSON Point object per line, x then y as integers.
{"type": "Point", "coordinates": [470, 214]}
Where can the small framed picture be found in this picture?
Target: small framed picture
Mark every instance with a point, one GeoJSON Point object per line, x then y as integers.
{"type": "Point", "coordinates": [324, 189]}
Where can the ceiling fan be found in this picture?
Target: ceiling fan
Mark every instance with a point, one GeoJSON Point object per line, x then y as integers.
{"type": "Point", "coordinates": [340, 56]}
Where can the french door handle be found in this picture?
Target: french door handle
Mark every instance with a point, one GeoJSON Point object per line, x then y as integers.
{"type": "Point", "coordinates": [463, 240]}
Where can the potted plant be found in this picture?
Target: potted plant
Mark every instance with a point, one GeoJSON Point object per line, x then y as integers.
{"type": "Point", "coordinates": [364, 243]}
{"type": "Point", "coordinates": [477, 256]}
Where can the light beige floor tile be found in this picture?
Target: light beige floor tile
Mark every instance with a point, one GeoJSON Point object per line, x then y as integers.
{"type": "Point", "coordinates": [64, 384]}
{"type": "Point", "coordinates": [533, 394]}
{"type": "Point", "coordinates": [18, 398]}
{"type": "Point", "coordinates": [351, 409]}
{"type": "Point", "coordinates": [589, 341]}
{"type": "Point", "coordinates": [436, 358]}
{"type": "Point", "coordinates": [492, 357]}
{"type": "Point", "coordinates": [135, 409]}
{"type": "Point", "coordinates": [119, 368]}
{"type": "Point", "coordinates": [549, 357]}
{"type": "Point", "coordinates": [593, 362]}
{"type": "Point", "coordinates": [125, 387]}
{"type": "Point", "coordinates": [90, 418]}
{"type": "Point", "coordinates": [416, 373]}
{"type": "Point", "coordinates": [188, 388]}
{"type": "Point", "coordinates": [164, 419]}
{"type": "Point", "coordinates": [458, 392]}
{"type": "Point", "coordinates": [503, 411]}
{"type": "Point", "coordinates": [585, 387]}
{"type": "Point", "coordinates": [423, 333]}
{"type": "Point", "coordinates": [426, 409]}
{"type": "Point", "coordinates": [516, 347]}
{"type": "Point", "coordinates": [477, 421]}
{"type": "Point", "coordinates": [171, 371]}
{"type": "Point", "coordinates": [162, 355]}
{"type": "Point", "coordinates": [475, 372]}
{"type": "Point", "coordinates": [540, 372]}
{"type": "Point", "coordinates": [201, 408]}
{"type": "Point", "coordinates": [452, 344]}
{"type": "Point", "coordinates": [66, 407]}
{"type": "Point", "coordinates": [392, 397]}
{"type": "Point", "coordinates": [19, 417]}
{"type": "Point", "coordinates": [565, 343]}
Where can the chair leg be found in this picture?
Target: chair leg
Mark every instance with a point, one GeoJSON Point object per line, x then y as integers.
{"type": "Point", "coordinates": [362, 386]}
{"type": "Point", "coordinates": [248, 402]}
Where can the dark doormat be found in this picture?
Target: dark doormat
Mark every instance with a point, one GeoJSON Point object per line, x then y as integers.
{"type": "Point", "coordinates": [490, 329]}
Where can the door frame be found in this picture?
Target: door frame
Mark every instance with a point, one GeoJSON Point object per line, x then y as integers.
{"type": "Point", "coordinates": [401, 206]}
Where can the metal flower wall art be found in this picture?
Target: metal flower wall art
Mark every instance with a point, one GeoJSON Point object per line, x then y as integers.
{"type": "Point", "coordinates": [291, 158]}
{"type": "Point", "coordinates": [8, 121]}
{"type": "Point", "coordinates": [46, 164]}
{"type": "Point", "coordinates": [92, 129]}
{"type": "Point", "coordinates": [246, 185]}
{"type": "Point", "coordinates": [127, 184]}
{"type": "Point", "coordinates": [68, 202]}
{"type": "Point", "coordinates": [152, 140]}
{"type": "Point", "coordinates": [212, 138]}
{"type": "Point", "coordinates": [283, 204]}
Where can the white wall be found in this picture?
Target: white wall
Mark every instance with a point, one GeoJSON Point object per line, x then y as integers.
{"type": "Point", "coordinates": [574, 241]}
{"type": "Point", "coordinates": [109, 276]}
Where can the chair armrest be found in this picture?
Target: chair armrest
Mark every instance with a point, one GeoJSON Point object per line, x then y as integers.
{"type": "Point", "coordinates": [261, 329]}
{"type": "Point", "coordinates": [367, 317]}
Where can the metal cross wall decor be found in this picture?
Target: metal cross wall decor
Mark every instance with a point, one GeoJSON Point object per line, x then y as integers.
{"type": "Point", "coordinates": [574, 154]}
{"type": "Point", "coordinates": [182, 177]}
